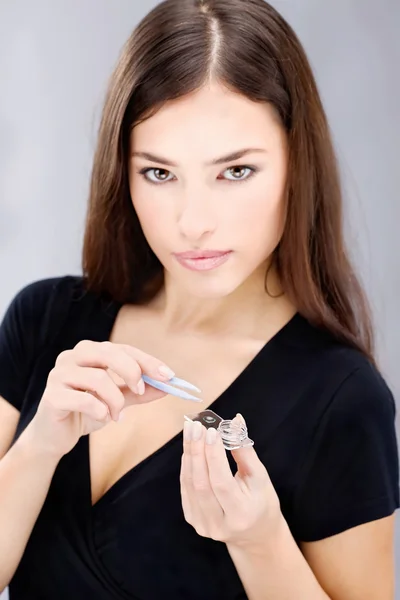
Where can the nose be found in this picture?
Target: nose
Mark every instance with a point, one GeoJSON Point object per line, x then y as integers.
{"type": "Point", "coordinates": [197, 219]}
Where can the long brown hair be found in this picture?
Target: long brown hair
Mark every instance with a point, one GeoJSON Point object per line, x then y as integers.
{"type": "Point", "coordinates": [247, 46]}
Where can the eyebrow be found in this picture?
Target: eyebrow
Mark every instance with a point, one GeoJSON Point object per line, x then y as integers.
{"type": "Point", "coordinates": [216, 161]}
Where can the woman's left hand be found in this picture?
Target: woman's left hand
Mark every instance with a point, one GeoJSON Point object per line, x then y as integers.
{"type": "Point", "coordinates": [241, 510]}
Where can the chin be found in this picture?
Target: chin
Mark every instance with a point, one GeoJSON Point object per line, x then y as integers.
{"type": "Point", "coordinates": [211, 290]}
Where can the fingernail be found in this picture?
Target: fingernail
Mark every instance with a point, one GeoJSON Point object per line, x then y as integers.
{"type": "Point", "coordinates": [140, 387]}
{"type": "Point", "coordinates": [197, 431]}
{"type": "Point", "coordinates": [240, 418]}
{"type": "Point", "coordinates": [166, 372]}
{"type": "Point", "coordinates": [187, 431]}
{"type": "Point", "coordinates": [211, 436]}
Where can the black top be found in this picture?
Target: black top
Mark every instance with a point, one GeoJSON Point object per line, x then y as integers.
{"type": "Point", "coordinates": [323, 423]}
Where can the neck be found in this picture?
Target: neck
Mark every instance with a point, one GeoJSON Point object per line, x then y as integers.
{"type": "Point", "coordinates": [242, 312]}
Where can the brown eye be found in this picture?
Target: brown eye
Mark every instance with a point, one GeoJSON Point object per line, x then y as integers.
{"type": "Point", "coordinates": [157, 175]}
{"type": "Point", "coordinates": [161, 174]}
{"type": "Point", "coordinates": [240, 173]}
{"type": "Point", "coordinates": [237, 172]}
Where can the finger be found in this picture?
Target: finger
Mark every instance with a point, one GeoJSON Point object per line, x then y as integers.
{"type": "Point", "coordinates": [186, 506]}
{"type": "Point", "coordinates": [222, 481]}
{"type": "Point", "coordinates": [250, 469]}
{"type": "Point", "coordinates": [131, 397]}
{"type": "Point", "coordinates": [191, 503]}
{"type": "Point", "coordinates": [205, 497]}
{"type": "Point", "coordinates": [130, 361]}
{"type": "Point", "coordinates": [186, 472]}
{"type": "Point", "coordinates": [105, 355]}
{"type": "Point", "coordinates": [149, 364]}
{"type": "Point", "coordinates": [96, 381]}
{"type": "Point", "coordinates": [69, 400]}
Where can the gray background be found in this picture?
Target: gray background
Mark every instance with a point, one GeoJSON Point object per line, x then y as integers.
{"type": "Point", "coordinates": [55, 58]}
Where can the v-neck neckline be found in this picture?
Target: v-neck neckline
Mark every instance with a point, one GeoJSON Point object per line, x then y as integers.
{"type": "Point", "coordinates": [113, 491]}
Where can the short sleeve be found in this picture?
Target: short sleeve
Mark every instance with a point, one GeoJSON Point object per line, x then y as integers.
{"type": "Point", "coordinates": [23, 331]}
{"type": "Point", "coordinates": [351, 476]}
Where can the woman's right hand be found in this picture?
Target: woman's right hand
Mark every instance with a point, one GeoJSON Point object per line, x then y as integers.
{"type": "Point", "coordinates": [89, 386]}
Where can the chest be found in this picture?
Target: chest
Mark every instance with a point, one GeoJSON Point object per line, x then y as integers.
{"type": "Point", "coordinates": [144, 429]}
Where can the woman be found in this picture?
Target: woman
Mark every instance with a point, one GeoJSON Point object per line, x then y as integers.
{"type": "Point", "coordinates": [213, 250]}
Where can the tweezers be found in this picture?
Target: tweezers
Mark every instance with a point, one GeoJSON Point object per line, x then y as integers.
{"type": "Point", "coordinates": [174, 391]}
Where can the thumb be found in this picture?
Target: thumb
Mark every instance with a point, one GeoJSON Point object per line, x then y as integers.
{"type": "Point", "coordinates": [248, 463]}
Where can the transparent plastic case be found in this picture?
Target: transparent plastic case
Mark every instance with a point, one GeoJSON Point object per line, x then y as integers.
{"type": "Point", "coordinates": [233, 431]}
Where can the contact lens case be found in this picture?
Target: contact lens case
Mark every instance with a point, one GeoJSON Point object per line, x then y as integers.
{"type": "Point", "coordinates": [233, 432]}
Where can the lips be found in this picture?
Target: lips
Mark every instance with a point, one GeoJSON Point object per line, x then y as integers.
{"type": "Point", "coordinates": [203, 260]}
{"type": "Point", "coordinates": [201, 254]}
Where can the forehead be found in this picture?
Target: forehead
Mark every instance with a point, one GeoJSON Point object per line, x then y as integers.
{"type": "Point", "coordinates": [211, 121]}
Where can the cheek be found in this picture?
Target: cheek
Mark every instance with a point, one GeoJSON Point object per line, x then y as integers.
{"type": "Point", "coordinates": [154, 226]}
{"type": "Point", "coordinates": [148, 214]}
{"type": "Point", "coordinates": [152, 214]}
{"type": "Point", "coordinates": [260, 220]}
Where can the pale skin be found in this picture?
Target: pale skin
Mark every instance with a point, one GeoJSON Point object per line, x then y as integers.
{"type": "Point", "coordinates": [195, 206]}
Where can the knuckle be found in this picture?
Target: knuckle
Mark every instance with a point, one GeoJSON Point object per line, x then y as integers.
{"type": "Point", "coordinates": [118, 402]}
{"type": "Point", "coordinates": [219, 485]}
{"type": "Point", "coordinates": [63, 372]}
{"type": "Point", "coordinates": [136, 371]}
{"type": "Point", "coordinates": [187, 479]}
{"type": "Point", "coordinates": [100, 377]}
{"type": "Point", "coordinates": [196, 449]}
{"type": "Point", "coordinates": [131, 350]}
{"type": "Point", "coordinates": [135, 354]}
{"type": "Point", "coordinates": [106, 345]}
{"type": "Point", "coordinates": [187, 446]}
{"type": "Point", "coordinates": [48, 396]}
{"type": "Point", "coordinates": [53, 375]}
{"type": "Point", "coordinates": [88, 401]}
{"type": "Point", "coordinates": [101, 411]}
{"type": "Point", "coordinates": [63, 357]}
{"type": "Point", "coordinates": [83, 345]}
{"type": "Point", "coordinates": [201, 486]}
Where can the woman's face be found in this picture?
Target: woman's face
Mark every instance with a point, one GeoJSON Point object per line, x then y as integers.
{"type": "Point", "coordinates": [213, 219]}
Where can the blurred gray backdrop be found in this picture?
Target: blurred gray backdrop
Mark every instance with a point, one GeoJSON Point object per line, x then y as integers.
{"type": "Point", "coordinates": [55, 58]}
